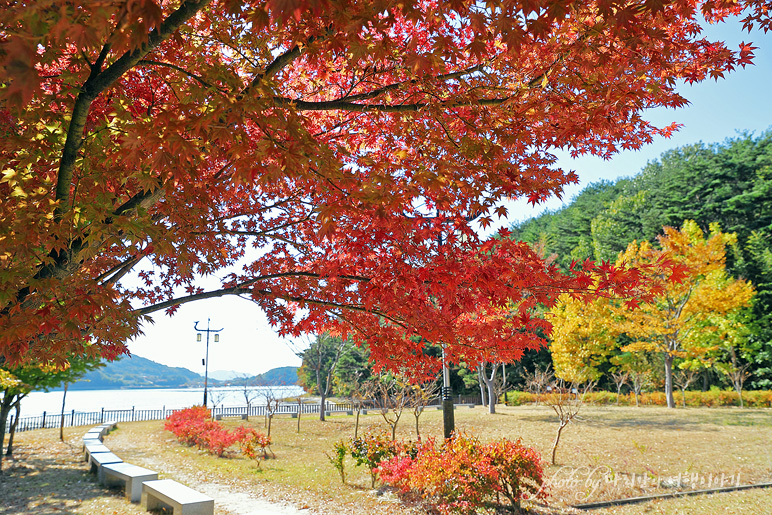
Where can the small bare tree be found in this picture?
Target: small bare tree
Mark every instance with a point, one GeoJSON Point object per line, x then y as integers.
{"type": "Point", "coordinates": [216, 398]}
{"type": "Point", "coordinates": [566, 400]}
{"type": "Point", "coordinates": [359, 392]}
{"type": "Point", "coordinates": [737, 372]}
{"type": "Point", "coordinates": [537, 381]}
{"type": "Point", "coordinates": [621, 378]}
{"type": "Point", "coordinates": [249, 391]}
{"type": "Point", "coordinates": [272, 399]}
{"type": "Point", "coordinates": [683, 378]}
{"type": "Point", "coordinates": [419, 396]}
{"type": "Point", "coordinates": [391, 397]}
{"type": "Point", "coordinates": [639, 379]}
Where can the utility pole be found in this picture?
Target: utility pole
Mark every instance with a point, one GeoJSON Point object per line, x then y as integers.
{"type": "Point", "coordinates": [206, 359]}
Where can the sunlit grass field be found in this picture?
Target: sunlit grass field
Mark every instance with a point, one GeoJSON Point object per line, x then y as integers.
{"type": "Point", "coordinates": [613, 452]}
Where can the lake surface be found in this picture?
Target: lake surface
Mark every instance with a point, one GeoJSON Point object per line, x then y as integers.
{"type": "Point", "coordinates": [146, 398]}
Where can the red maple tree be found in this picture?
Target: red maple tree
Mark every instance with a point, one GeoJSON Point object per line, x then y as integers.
{"type": "Point", "coordinates": [326, 158]}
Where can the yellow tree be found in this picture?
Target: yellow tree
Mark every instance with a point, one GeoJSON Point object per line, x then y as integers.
{"type": "Point", "coordinates": [676, 321]}
{"type": "Point", "coordinates": [581, 338]}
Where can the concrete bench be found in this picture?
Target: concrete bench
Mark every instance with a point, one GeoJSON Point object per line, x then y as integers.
{"type": "Point", "coordinates": [243, 416]}
{"type": "Point", "coordinates": [166, 493]}
{"type": "Point", "coordinates": [93, 433]}
{"type": "Point", "coordinates": [98, 459]}
{"type": "Point", "coordinates": [90, 440]}
{"type": "Point", "coordinates": [129, 475]}
{"type": "Point", "coordinates": [92, 446]}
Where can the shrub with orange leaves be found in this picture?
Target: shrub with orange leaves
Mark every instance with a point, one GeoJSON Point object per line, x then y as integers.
{"type": "Point", "coordinates": [464, 475]}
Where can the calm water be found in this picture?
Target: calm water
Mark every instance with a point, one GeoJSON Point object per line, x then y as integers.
{"type": "Point", "coordinates": [144, 398]}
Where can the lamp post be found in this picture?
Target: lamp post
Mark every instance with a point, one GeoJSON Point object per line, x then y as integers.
{"type": "Point", "coordinates": [206, 359]}
{"type": "Point", "coordinates": [448, 419]}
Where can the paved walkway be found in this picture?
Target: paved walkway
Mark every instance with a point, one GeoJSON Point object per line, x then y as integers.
{"type": "Point", "coordinates": [240, 503]}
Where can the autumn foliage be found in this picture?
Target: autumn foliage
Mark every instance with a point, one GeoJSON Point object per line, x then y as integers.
{"type": "Point", "coordinates": [326, 159]}
{"type": "Point", "coordinates": [194, 426]}
{"type": "Point", "coordinates": [687, 319]}
{"type": "Point", "coordinates": [464, 475]}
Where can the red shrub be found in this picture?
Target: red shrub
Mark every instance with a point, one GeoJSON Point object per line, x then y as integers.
{"type": "Point", "coordinates": [250, 440]}
{"type": "Point", "coordinates": [463, 475]}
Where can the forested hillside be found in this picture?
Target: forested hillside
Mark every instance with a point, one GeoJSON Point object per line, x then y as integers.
{"type": "Point", "coordinates": [728, 183]}
{"type": "Point", "coordinates": [137, 372]}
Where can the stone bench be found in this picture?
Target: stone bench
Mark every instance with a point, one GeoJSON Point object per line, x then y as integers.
{"type": "Point", "coordinates": [89, 440]}
{"type": "Point", "coordinates": [92, 446]}
{"type": "Point", "coordinates": [129, 475]}
{"type": "Point", "coordinates": [98, 459]}
{"type": "Point", "coordinates": [243, 416]}
{"type": "Point", "coordinates": [95, 433]}
{"type": "Point", "coordinates": [167, 493]}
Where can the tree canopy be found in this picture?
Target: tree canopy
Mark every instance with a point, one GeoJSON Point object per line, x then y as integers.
{"type": "Point", "coordinates": [727, 183]}
{"type": "Point", "coordinates": [690, 319]}
{"type": "Point", "coordinates": [327, 159]}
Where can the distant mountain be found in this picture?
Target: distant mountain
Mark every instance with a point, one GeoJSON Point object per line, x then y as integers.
{"type": "Point", "coordinates": [225, 375]}
{"type": "Point", "coordinates": [137, 372]}
{"type": "Point", "coordinates": [284, 376]}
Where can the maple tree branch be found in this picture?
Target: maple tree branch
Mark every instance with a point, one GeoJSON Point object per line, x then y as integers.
{"type": "Point", "coordinates": [340, 105]}
{"type": "Point", "coordinates": [116, 273]}
{"type": "Point", "coordinates": [239, 289]}
{"type": "Point", "coordinates": [197, 78]}
{"type": "Point", "coordinates": [391, 87]}
{"type": "Point", "coordinates": [280, 62]}
{"type": "Point", "coordinates": [142, 200]}
{"type": "Point", "coordinates": [99, 81]}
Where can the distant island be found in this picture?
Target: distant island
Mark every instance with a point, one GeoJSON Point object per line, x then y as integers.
{"type": "Point", "coordinates": [139, 372]}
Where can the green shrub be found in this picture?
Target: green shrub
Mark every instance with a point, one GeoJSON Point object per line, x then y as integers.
{"type": "Point", "coordinates": [711, 399]}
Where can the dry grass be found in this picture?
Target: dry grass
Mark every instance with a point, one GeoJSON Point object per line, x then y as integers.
{"type": "Point", "coordinates": [613, 453]}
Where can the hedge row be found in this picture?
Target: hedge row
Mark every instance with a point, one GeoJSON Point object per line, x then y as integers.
{"type": "Point", "coordinates": [712, 399]}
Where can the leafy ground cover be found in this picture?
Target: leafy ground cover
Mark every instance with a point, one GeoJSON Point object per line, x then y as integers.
{"type": "Point", "coordinates": [615, 452]}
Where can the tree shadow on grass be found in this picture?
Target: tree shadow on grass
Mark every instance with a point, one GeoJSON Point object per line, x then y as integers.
{"type": "Point", "coordinates": [685, 419]}
{"type": "Point", "coordinates": [49, 481]}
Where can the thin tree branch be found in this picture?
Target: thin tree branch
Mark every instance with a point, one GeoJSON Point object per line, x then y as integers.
{"type": "Point", "coordinates": [340, 105]}
{"type": "Point", "coordinates": [97, 83]}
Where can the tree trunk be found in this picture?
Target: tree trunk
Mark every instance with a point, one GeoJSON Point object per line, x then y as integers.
{"type": "Point", "coordinates": [555, 445]}
{"type": "Point", "coordinates": [669, 380]}
{"type": "Point", "coordinates": [481, 382]}
{"type": "Point", "coordinates": [491, 387]}
{"type": "Point", "coordinates": [300, 409]}
{"type": "Point", "coordinates": [12, 431]}
{"type": "Point", "coordinates": [637, 390]}
{"type": "Point", "coordinates": [5, 408]}
{"type": "Point", "coordinates": [61, 415]}
{"type": "Point", "coordinates": [322, 403]}
{"type": "Point", "coordinates": [738, 387]}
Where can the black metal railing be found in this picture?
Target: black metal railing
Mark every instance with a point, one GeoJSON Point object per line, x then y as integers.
{"type": "Point", "coordinates": [85, 418]}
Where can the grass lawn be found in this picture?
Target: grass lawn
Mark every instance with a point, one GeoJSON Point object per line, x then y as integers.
{"type": "Point", "coordinates": [614, 452]}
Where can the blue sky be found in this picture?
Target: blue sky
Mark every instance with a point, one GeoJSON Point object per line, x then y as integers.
{"type": "Point", "coordinates": [717, 111]}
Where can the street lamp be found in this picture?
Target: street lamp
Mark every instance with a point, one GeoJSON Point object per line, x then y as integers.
{"type": "Point", "coordinates": [206, 359]}
{"type": "Point", "coordinates": [448, 418]}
